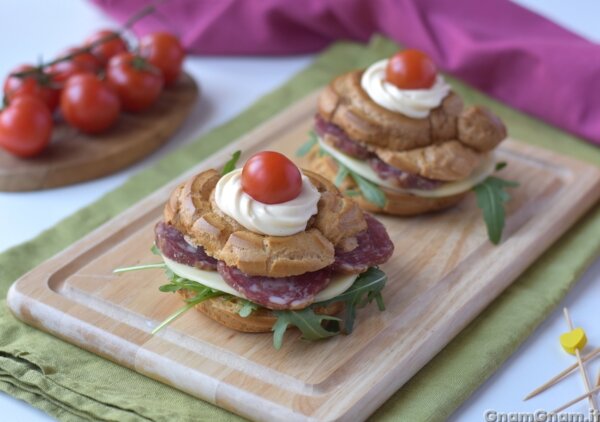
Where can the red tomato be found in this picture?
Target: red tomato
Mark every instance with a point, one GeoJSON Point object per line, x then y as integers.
{"type": "Point", "coordinates": [25, 126]}
{"type": "Point", "coordinates": [106, 50]}
{"type": "Point", "coordinates": [271, 178]}
{"type": "Point", "coordinates": [83, 58]}
{"type": "Point", "coordinates": [164, 51]}
{"type": "Point", "coordinates": [81, 62]}
{"type": "Point", "coordinates": [137, 83]}
{"type": "Point", "coordinates": [411, 69]}
{"type": "Point", "coordinates": [62, 71]}
{"type": "Point", "coordinates": [89, 104]}
{"type": "Point", "coordinates": [38, 84]}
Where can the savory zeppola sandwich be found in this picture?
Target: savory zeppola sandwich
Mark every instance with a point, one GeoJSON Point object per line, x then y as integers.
{"type": "Point", "coordinates": [268, 246]}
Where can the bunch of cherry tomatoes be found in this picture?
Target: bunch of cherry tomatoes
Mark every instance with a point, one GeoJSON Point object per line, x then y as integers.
{"type": "Point", "coordinates": [88, 86]}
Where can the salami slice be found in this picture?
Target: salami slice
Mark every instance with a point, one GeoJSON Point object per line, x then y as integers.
{"type": "Point", "coordinates": [295, 292]}
{"type": "Point", "coordinates": [341, 141]}
{"type": "Point", "coordinates": [173, 245]}
{"type": "Point", "coordinates": [374, 247]}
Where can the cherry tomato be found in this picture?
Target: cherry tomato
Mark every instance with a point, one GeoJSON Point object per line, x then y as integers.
{"type": "Point", "coordinates": [83, 58]}
{"type": "Point", "coordinates": [164, 51]}
{"type": "Point", "coordinates": [89, 104]}
{"type": "Point", "coordinates": [82, 61]}
{"type": "Point", "coordinates": [411, 69]}
{"type": "Point", "coordinates": [106, 50]}
{"type": "Point", "coordinates": [271, 178]}
{"type": "Point", "coordinates": [25, 126]}
{"type": "Point", "coordinates": [137, 83]}
{"type": "Point", "coordinates": [39, 84]}
{"type": "Point", "coordinates": [62, 71]}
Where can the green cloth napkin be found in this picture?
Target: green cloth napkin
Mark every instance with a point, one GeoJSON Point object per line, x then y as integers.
{"type": "Point", "coordinates": [72, 384]}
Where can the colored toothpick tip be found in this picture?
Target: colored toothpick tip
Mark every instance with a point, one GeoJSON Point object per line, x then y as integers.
{"type": "Point", "coordinates": [573, 340]}
{"type": "Point", "coordinates": [578, 343]}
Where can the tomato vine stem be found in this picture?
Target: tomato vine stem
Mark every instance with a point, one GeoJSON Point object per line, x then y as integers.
{"type": "Point", "coordinates": [142, 13]}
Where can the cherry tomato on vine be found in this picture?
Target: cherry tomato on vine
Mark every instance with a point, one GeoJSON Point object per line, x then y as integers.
{"type": "Point", "coordinates": [271, 178]}
{"type": "Point", "coordinates": [63, 70]}
{"type": "Point", "coordinates": [89, 104]}
{"type": "Point", "coordinates": [411, 69]}
{"type": "Point", "coordinates": [83, 58]}
{"type": "Point", "coordinates": [137, 83]}
{"type": "Point", "coordinates": [164, 51]}
{"type": "Point", "coordinates": [106, 50]}
{"type": "Point", "coordinates": [81, 62]}
{"type": "Point", "coordinates": [37, 84]}
{"type": "Point", "coordinates": [25, 126]}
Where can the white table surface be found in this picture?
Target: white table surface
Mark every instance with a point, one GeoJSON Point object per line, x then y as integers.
{"type": "Point", "coordinates": [229, 86]}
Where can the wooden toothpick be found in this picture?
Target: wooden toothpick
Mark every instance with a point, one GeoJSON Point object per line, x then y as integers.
{"type": "Point", "coordinates": [586, 381]}
{"type": "Point", "coordinates": [577, 399]}
{"type": "Point", "coordinates": [563, 374]}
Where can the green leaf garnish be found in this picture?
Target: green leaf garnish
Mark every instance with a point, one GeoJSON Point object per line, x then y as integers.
{"type": "Point", "coordinates": [312, 141]}
{"type": "Point", "coordinates": [313, 326]}
{"type": "Point", "coordinates": [177, 283]}
{"type": "Point", "coordinates": [230, 165]}
{"type": "Point", "coordinates": [500, 165]}
{"type": "Point", "coordinates": [247, 308]}
{"type": "Point", "coordinates": [138, 267]}
{"type": "Point", "coordinates": [369, 190]}
{"type": "Point", "coordinates": [341, 175]}
{"type": "Point", "coordinates": [365, 289]}
{"type": "Point", "coordinates": [491, 197]}
{"type": "Point", "coordinates": [306, 320]}
{"type": "Point", "coordinates": [179, 312]}
{"type": "Point", "coordinates": [154, 249]}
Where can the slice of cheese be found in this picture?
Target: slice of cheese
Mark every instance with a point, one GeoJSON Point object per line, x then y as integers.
{"type": "Point", "coordinates": [363, 169]}
{"type": "Point", "coordinates": [212, 279]}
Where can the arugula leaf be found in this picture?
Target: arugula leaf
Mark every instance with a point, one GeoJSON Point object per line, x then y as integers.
{"type": "Point", "coordinates": [174, 316]}
{"type": "Point", "coordinates": [230, 165]}
{"type": "Point", "coordinates": [491, 197]}
{"type": "Point", "coordinates": [306, 320]}
{"type": "Point", "coordinates": [177, 283]}
{"type": "Point", "coordinates": [154, 249]}
{"type": "Point", "coordinates": [247, 308]}
{"type": "Point", "coordinates": [200, 297]}
{"type": "Point", "coordinates": [312, 141]}
{"type": "Point", "coordinates": [500, 165]}
{"type": "Point", "coordinates": [313, 326]}
{"type": "Point", "coordinates": [341, 175]}
{"type": "Point", "coordinates": [139, 267]}
{"type": "Point", "coordinates": [369, 190]}
{"type": "Point", "coordinates": [365, 289]}
{"type": "Point", "coordinates": [351, 193]}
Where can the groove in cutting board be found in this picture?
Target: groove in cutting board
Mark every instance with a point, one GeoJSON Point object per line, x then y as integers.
{"type": "Point", "coordinates": [444, 273]}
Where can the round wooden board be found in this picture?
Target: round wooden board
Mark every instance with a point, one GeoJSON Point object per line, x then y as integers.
{"type": "Point", "coordinates": [74, 157]}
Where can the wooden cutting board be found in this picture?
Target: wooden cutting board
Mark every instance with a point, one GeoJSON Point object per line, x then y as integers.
{"type": "Point", "coordinates": [444, 273]}
{"type": "Point", "coordinates": [74, 157]}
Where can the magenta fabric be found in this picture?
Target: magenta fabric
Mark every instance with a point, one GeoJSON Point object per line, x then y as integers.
{"type": "Point", "coordinates": [497, 46]}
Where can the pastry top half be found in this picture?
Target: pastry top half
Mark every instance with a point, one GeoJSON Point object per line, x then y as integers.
{"type": "Point", "coordinates": [192, 210]}
{"type": "Point", "coordinates": [447, 145]}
